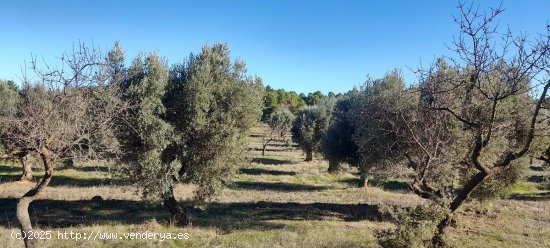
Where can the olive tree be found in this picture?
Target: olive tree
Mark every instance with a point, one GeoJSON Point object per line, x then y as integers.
{"type": "Point", "coordinates": [188, 125]}
{"type": "Point", "coordinates": [310, 124]}
{"type": "Point", "coordinates": [377, 116]}
{"type": "Point", "coordinates": [337, 144]}
{"type": "Point", "coordinates": [279, 122]}
{"type": "Point", "coordinates": [10, 98]}
{"type": "Point", "coordinates": [144, 133]}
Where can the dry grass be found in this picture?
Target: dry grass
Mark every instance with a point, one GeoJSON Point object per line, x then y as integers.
{"type": "Point", "coordinates": [276, 201]}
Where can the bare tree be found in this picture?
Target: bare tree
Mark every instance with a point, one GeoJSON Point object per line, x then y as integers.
{"type": "Point", "coordinates": [63, 112]}
{"type": "Point", "coordinates": [477, 115]}
{"type": "Point", "coordinates": [467, 123]}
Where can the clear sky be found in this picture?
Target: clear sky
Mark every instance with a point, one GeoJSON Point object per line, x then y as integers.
{"type": "Point", "coordinates": [297, 45]}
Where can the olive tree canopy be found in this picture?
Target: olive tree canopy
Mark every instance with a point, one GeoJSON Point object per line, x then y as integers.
{"type": "Point", "coordinates": [188, 124]}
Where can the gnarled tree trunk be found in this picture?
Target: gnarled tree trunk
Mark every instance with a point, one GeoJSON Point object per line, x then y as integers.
{"type": "Point", "coordinates": [437, 240]}
{"type": "Point", "coordinates": [179, 214]}
{"type": "Point", "coordinates": [27, 169]}
{"type": "Point", "coordinates": [22, 211]}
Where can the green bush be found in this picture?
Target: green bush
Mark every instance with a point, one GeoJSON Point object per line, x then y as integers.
{"type": "Point", "coordinates": [500, 185]}
{"type": "Point", "coordinates": [415, 227]}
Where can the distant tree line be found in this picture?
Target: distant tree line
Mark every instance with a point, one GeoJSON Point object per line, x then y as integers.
{"type": "Point", "coordinates": [282, 99]}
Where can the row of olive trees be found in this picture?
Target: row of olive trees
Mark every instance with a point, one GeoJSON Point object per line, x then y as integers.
{"type": "Point", "coordinates": [160, 125]}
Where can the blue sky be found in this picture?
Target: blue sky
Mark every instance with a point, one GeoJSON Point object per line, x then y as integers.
{"type": "Point", "coordinates": [297, 45]}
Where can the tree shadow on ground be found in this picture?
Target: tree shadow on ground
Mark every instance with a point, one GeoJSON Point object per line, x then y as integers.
{"type": "Point", "coordinates": [259, 171]}
{"type": "Point", "coordinates": [536, 168]}
{"type": "Point", "coordinates": [271, 161]}
{"type": "Point", "coordinates": [57, 213]}
{"type": "Point", "coordinates": [225, 216]}
{"type": "Point", "coordinates": [351, 182]}
{"type": "Point", "coordinates": [104, 169]}
{"type": "Point", "coordinates": [531, 197]}
{"type": "Point", "coordinates": [229, 216]}
{"type": "Point", "coordinates": [283, 145]}
{"type": "Point", "coordinates": [283, 149]}
{"type": "Point", "coordinates": [9, 178]}
{"type": "Point", "coordinates": [276, 186]}
{"type": "Point", "coordinates": [10, 169]}
{"type": "Point", "coordinates": [392, 185]}
{"type": "Point", "coordinates": [61, 180]}
{"type": "Point", "coordinates": [537, 179]}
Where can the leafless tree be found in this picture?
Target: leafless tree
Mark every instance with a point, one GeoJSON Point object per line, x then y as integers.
{"type": "Point", "coordinates": [464, 119]}
{"type": "Point", "coordinates": [63, 112]}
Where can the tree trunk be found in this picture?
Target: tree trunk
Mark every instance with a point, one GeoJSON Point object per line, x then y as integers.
{"type": "Point", "coordinates": [22, 211]}
{"type": "Point", "coordinates": [179, 214]}
{"type": "Point", "coordinates": [309, 156]}
{"type": "Point", "coordinates": [70, 163]}
{"type": "Point", "coordinates": [363, 181]}
{"type": "Point", "coordinates": [263, 149]}
{"type": "Point", "coordinates": [265, 146]}
{"type": "Point", "coordinates": [463, 195]}
{"type": "Point", "coordinates": [333, 166]}
{"type": "Point", "coordinates": [27, 169]}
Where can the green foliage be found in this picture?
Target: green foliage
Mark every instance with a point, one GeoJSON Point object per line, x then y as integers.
{"type": "Point", "coordinates": [146, 134]}
{"type": "Point", "coordinates": [310, 125]}
{"type": "Point", "coordinates": [314, 98]}
{"type": "Point", "coordinates": [115, 63]}
{"type": "Point", "coordinates": [212, 104]}
{"type": "Point", "coordinates": [415, 227]}
{"type": "Point", "coordinates": [271, 103]}
{"type": "Point", "coordinates": [337, 144]}
{"type": "Point", "coordinates": [305, 130]}
{"type": "Point", "coordinates": [280, 99]}
{"type": "Point", "coordinates": [377, 117]}
{"type": "Point", "coordinates": [9, 96]}
{"type": "Point", "coordinates": [280, 122]}
{"type": "Point", "coordinates": [8, 106]}
{"type": "Point", "coordinates": [501, 184]}
{"type": "Point", "coordinates": [187, 125]}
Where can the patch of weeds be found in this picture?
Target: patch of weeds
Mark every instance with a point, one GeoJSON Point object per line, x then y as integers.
{"type": "Point", "coordinates": [524, 188]}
